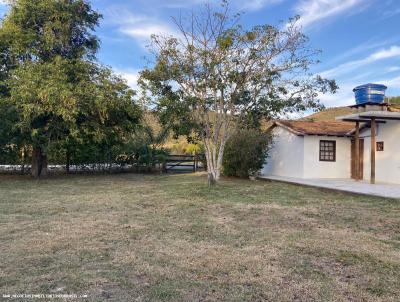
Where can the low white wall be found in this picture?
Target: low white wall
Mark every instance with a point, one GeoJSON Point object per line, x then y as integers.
{"type": "Point", "coordinates": [286, 156]}
{"type": "Point", "coordinates": [387, 166]}
{"type": "Point", "coordinates": [314, 168]}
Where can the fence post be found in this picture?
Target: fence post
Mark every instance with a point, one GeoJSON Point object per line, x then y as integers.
{"type": "Point", "coordinates": [23, 161]}
{"type": "Point", "coordinates": [68, 161]}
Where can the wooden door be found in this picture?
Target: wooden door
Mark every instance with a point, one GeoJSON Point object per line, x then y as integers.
{"type": "Point", "coordinates": [361, 159]}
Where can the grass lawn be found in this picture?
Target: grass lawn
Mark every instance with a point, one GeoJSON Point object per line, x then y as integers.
{"type": "Point", "coordinates": [170, 238]}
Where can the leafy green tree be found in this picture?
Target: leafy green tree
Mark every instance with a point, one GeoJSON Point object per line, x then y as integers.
{"type": "Point", "coordinates": [107, 114]}
{"type": "Point", "coordinates": [50, 79]}
{"type": "Point", "coordinates": [73, 104]}
{"type": "Point", "coordinates": [39, 30]}
{"type": "Point", "coordinates": [217, 75]}
{"type": "Point", "coordinates": [40, 38]}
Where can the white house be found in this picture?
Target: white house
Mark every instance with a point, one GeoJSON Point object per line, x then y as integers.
{"type": "Point", "coordinates": [306, 149]}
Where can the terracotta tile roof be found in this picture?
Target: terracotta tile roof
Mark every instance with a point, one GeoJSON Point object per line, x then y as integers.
{"type": "Point", "coordinates": [335, 128]}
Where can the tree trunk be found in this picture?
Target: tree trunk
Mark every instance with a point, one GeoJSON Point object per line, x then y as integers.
{"type": "Point", "coordinates": [39, 163]}
{"type": "Point", "coordinates": [36, 158]}
{"type": "Point", "coordinates": [211, 180]}
{"type": "Point", "coordinates": [214, 157]}
{"type": "Point", "coordinates": [43, 172]}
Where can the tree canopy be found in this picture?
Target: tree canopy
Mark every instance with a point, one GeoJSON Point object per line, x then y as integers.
{"type": "Point", "coordinates": [39, 30]}
{"type": "Point", "coordinates": [52, 85]}
{"type": "Point", "coordinates": [217, 76]}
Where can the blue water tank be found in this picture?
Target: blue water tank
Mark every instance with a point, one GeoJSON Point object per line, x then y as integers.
{"type": "Point", "coordinates": [370, 93]}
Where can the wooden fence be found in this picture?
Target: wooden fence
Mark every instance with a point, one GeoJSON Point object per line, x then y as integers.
{"type": "Point", "coordinates": [184, 163]}
{"type": "Point", "coordinates": [173, 163]}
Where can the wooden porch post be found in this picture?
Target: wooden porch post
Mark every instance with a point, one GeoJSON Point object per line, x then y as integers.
{"type": "Point", "coordinates": [373, 146]}
{"type": "Point", "coordinates": [357, 151]}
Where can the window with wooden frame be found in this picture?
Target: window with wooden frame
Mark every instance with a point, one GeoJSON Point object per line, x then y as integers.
{"type": "Point", "coordinates": [380, 146]}
{"type": "Point", "coordinates": [327, 150]}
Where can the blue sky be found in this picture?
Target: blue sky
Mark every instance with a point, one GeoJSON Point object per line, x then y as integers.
{"type": "Point", "coordinates": [359, 39]}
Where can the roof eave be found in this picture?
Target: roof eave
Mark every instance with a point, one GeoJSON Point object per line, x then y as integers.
{"type": "Point", "coordinates": [331, 134]}
{"type": "Point", "coordinates": [380, 116]}
{"type": "Point", "coordinates": [301, 133]}
{"type": "Point", "coordinates": [289, 129]}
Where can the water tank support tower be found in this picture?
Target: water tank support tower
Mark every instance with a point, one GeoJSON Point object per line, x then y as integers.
{"type": "Point", "coordinates": [372, 110]}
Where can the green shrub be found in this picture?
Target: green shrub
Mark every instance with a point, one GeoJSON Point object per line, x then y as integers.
{"type": "Point", "coordinates": [245, 152]}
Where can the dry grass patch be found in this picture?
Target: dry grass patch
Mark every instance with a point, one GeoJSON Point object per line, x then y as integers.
{"type": "Point", "coordinates": [171, 238]}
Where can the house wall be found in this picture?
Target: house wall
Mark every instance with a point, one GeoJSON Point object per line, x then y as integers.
{"type": "Point", "coordinates": [387, 166]}
{"type": "Point", "coordinates": [286, 156]}
{"type": "Point", "coordinates": [314, 168]}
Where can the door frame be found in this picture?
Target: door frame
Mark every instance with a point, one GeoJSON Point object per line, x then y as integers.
{"type": "Point", "coordinates": [361, 159]}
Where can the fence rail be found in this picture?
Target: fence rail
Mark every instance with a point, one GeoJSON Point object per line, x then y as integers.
{"type": "Point", "coordinates": [172, 164]}
{"type": "Point", "coordinates": [184, 163]}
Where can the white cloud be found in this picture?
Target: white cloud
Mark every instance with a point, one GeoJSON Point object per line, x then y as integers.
{"type": "Point", "coordinates": [368, 45]}
{"type": "Point", "coordinates": [130, 75]}
{"type": "Point", "coordinates": [182, 3]}
{"type": "Point", "coordinates": [144, 32]}
{"type": "Point", "coordinates": [257, 4]}
{"type": "Point", "coordinates": [141, 32]}
{"type": "Point", "coordinates": [246, 5]}
{"type": "Point", "coordinates": [138, 26]}
{"type": "Point", "coordinates": [391, 52]}
{"type": "Point", "coordinates": [391, 83]}
{"type": "Point", "coordinates": [393, 68]}
{"type": "Point", "coordinates": [390, 13]}
{"type": "Point", "coordinates": [343, 97]}
{"type": "Point", "coordinates": [121, 15]}
{"type": "Point", "coordinates": [311, 11]}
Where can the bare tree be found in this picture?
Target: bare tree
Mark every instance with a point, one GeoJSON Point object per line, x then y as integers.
{"type": "Point", "coordinates": [215, 75]}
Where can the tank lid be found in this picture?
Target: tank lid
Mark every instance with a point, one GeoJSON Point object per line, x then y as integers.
{"type": "Point", "coordinates": [370, 86]}
{"type": "Point", "coordinates": [370, 93]}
